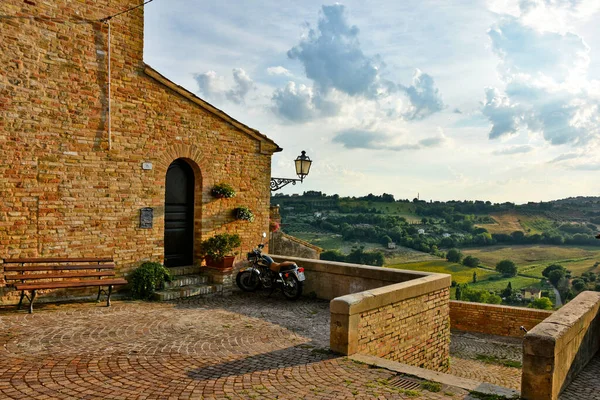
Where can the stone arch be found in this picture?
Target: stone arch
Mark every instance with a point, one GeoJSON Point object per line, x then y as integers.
{"type": "Point", "coordinates": [193, 157]}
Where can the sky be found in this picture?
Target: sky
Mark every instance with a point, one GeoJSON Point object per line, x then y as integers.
{"type": "Point", "coordinates": [467, 99]}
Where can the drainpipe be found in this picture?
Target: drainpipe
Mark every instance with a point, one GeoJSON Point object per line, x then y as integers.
{"type": "Point", "coordinates": [109, 90]}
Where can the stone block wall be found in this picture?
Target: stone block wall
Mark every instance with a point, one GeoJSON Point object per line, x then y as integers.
{"type": "Point", "coordinates": [556, 350]}
{"type": "Point", "coordinates": [414, 331]}
{"type": "Point", "coordinates": [494, 319]}
{"type": "Point", "coordinates": [287, 245]}
{"type": "Point", "coordinates": [390, 313]}
{"type": "Point", "coordinates": [68, 185]}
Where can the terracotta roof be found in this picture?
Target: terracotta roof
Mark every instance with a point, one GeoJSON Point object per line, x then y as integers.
{"type": "Point", "coordinates": [152, 73]}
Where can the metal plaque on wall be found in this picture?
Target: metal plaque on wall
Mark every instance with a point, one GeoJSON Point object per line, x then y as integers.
{"type": "Point", "coordinates": [146, 217]}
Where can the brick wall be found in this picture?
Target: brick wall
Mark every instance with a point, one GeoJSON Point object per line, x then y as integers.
{"type": "Point", "coordinates": [494, 319]}
{"type": "Point", "coordinates": [64, 192]}
{"type": "Point", "coordinates": [414, 331]}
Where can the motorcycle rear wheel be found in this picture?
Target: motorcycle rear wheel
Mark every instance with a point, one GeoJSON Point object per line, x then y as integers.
{"type": "Point", "coordinates": [247, 281]}
{"type": "Point", "coordinates": [292, 288]}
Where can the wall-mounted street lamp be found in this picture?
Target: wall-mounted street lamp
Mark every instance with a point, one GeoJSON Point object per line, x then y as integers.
{"type": "Point", "coordinates": [303, 163]}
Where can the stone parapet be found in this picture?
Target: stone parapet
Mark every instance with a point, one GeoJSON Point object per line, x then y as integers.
{"type": "Point", "coordinates": [494, 319]}
{"type": "Point", "coordinates": [557, 349]}
{"type": "Point", "coordinates": [394, 314]}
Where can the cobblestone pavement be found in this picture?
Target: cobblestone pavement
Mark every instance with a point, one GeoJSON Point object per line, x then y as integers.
{"type": "Point", "coordinates": [484, 358]}
{"type": "Point", "coordinates": [238, 347]}
{"type": "Point", "coordinates": [586, 385]}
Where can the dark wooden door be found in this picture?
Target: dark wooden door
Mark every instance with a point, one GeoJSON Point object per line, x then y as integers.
{"type": "Point", "coordinates": [179, 215]}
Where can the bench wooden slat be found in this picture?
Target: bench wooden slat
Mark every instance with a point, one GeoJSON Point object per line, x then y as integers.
{"type": "Point", "coordinates": [72, 284]}
{"type": "Point", "coordinates": [16, 277]}
{"type": "Point", "coordinates": [56, 259]}
{"type": "Point", "coordinates": [57, 267]}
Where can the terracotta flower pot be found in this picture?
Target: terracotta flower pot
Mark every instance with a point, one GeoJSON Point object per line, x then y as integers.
{"type": "Point", "coordinates": [224, 264]}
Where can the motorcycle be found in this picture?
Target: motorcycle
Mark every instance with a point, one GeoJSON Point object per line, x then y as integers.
{"type": "Point", "coordinates": [264, 272]}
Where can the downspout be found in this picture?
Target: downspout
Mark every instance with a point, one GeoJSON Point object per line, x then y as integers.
{"type": "Point", "coordinates": [109, 92]}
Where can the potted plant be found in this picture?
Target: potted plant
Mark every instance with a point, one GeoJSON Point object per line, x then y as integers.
{"type": "Point", "coordinates": [244, 213]}
{"type": "Point", "coordinates": [223, 191]}
{"type": "Point", "coordinates": [218, 250]}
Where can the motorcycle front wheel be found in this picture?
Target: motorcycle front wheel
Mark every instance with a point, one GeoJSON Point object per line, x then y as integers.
{"type": "Point", "coordinates": [292, 288]}
{"type": "Point", "coordinates": [247, 281]}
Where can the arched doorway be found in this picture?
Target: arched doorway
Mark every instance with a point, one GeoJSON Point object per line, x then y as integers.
{"type": "Point", "coordinates": [179, 214]}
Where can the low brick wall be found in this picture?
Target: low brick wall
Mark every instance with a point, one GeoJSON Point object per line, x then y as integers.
{"type": "Point", "coordinates": [556, 350]}
{"type": "Point", "coordinates": [494, 319]}
{"type": "Point", "coordinates": [394, 314]}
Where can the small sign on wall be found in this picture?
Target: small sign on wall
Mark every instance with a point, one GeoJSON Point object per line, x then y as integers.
{"type": "Point", "coordinates": [147, 166]}
{"type": "Point", "coordinates": [146, 217]}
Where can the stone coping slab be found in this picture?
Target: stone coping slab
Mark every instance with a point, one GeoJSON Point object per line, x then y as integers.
{"type": "Point", "coordinates": [557, 349]}
{"type": "Point", "coordinates": [356, 270]}
{"type": "Point", "coordinates": [368, 300]}
{"type": "Point", "coordinates": [440, 377]}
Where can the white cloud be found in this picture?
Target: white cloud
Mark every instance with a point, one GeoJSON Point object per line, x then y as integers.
{"type": "Point", "coordinates": [243, 85]}
{"type": "Point", "coordinates": [279, 71]}
{"type": "Point", "coordinates": [547, 92]}
{"type": "Point", "coordinates": [299, 103]}
{"type": "Point", "coordinates": [503, 115]}
{"type": "Point", "coordinates": [214, 88]}
{"type": "Point", "coordinates": [424, 97]}
{"type": "Point", "coordinates": [524, 50]}
{"type": "Point", "coordinates": [333, 59]}
{"type": "Point", "coordinates": [514, 150]}
{"type": "Point", "coordinates": [364, 139]}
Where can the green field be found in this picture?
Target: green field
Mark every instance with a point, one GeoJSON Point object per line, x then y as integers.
{"type": "Point", "coordinates": [460, 273]}
{"type": "Point", "coordinates": [517, 282]}
{"type": "Point", "coordinates": [531, 260]}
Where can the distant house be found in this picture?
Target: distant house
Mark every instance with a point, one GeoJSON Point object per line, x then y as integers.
{"type": "Point", "coordinates": [318, 215]}
{"type": "Point", "coordinates": [531, 293]}
{"type": "Point", "coordinates": [421, 231]}
{"type": "Point", "coordinates": [446, 235]}
{"type": "Point", "coordinates": [391, 245]}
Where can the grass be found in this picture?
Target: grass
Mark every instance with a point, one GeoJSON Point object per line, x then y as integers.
{"type": "Point", "coordinates": [460, 273]}
{"type": "Point", "coordinates": [431, 386]}
{"type": "Point", "coordinates": [532, 259]}
{"type": "Point", "coordinates": [488, 359]}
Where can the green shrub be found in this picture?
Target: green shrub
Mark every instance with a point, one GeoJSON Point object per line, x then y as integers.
{"type": "Point", "coordinates": [471, 261]}
{"type": "Point", "coordinates": [244, 213]}
{"type": "Point", "coordinates": [543, 303]}
{"type": "Point", "coordinates": [507, 268]}
{"type": "Point", "coordinates": [454, 255]}
{"type": "Point", "coordinates": [147, 278]}
{"type": "Point", "coordinates": [223, 190]}
{"type": "Point", "coordinates": [219, 246]}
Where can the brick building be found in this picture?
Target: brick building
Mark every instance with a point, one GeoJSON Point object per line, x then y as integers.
{"type": "Point", "coordinates": [75, 173]}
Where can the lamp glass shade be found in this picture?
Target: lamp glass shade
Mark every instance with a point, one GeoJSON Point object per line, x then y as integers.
{"type": "Point", "coordinates": [303, 163]}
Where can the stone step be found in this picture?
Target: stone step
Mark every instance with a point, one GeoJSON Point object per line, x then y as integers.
{"type": "Point", "coordinates": [186, 291]}
{"type": "Point", "coordinates": [186, 280]}
{"type": "Point", "coordinates": [187, 270]}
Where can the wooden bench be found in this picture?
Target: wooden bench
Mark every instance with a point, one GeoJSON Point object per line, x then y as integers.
{"type": "Point", "coordinates": [33, 274]}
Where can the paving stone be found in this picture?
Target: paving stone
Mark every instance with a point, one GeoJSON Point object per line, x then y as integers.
{"type": "Point", "coordinates": [467, 349]}
{"type": "Point", "coordinates": [586, 385]}
{"type": "Point", "coordinates": [239, 347]}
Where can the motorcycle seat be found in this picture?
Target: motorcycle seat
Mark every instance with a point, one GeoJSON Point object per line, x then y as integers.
{"type": "Point", "coordinates": [276, 267]}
